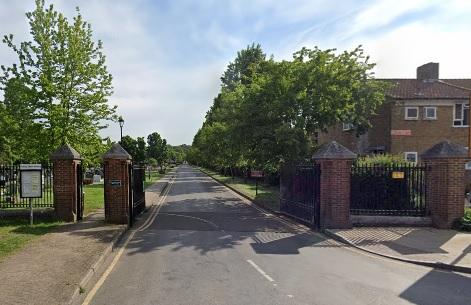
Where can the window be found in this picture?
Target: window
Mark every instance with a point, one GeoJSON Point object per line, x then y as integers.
{"type": "Point", "coordinates": [347, 126]}
{"type": "Point", "coordinates": [412, 113]}
{"type": "Point", "coordinates": [430, 113]}
{"type": "Point", "coordinates": [411, 156]}
{"type": "Point", "coordinates": [461, 115]}
{"type": "Point", "coordinates": [467, 166]}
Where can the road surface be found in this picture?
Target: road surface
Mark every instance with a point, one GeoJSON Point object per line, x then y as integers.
{"type": "Point", "coordinates": [206, 246]}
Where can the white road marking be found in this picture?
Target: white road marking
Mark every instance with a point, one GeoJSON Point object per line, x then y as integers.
{"type": "Point", "coordinates": [269, 278]}
{"type": "Point", "coordinates": [110, 268]}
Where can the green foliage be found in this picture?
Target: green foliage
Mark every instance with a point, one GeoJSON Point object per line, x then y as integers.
{"type": "Point", "coordinates": [177, 154]}
{"type": "Point", "coordinates": [157, 148]}
{"type": "Point", "coordinates": [136, 148]}
{"type": "Point", "coordinates": [266, 111]}
{"type": "Point", "coordinates": [382, 159]}
{"type": "Point", "coordinates": [58, 92]}
{"type": "Point", "coordinates": [465, 222]}
{"type": "Point", "coordinates": [129, 144]}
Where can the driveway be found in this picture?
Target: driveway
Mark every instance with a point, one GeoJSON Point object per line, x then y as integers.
{"type": "Point", "coordinates": [207, 246]}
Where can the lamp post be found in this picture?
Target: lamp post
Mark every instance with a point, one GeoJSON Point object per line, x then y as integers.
{"type": "Point", "coordinates": [121, 124]}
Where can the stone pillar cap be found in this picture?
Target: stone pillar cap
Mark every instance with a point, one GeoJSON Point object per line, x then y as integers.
{"type": "Point", "coordinates": [65, 152]}
{"type": "Point", "coordinates": [333, 150]}
{"type": "Point", "coordinates": [445, 149]}
{"type": "Point", "coordinates": [117, 152]}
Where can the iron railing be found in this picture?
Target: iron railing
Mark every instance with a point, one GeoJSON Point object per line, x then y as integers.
{"type": "Point", "coordinates": [395, 190]}
{"type": "Point", "coordinates": [10, 188]}
{"type": "Point", "coordinates": [300, 192]}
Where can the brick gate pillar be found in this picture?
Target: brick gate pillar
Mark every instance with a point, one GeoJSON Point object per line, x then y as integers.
{"type": "Point", "coordinates": [445, 186]}
{"type": "Point", "coordinates": [117, 182]}
{"type": "Point", "coordinates": [65, 162]}
{"type": "Point", "coordinates": [335, 162]}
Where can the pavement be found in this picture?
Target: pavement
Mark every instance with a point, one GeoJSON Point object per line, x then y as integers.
{"type": "Point", "coordinates": [53, 268]}
{"type": "Point", "coordinates": [447, 249]}
{"type": "Point", "coordinates": [206, 245]}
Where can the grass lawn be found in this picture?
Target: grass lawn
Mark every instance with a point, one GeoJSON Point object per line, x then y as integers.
{"type": "Point", "coordinates": [154, 177]}
{"type": "Point", "coordinates": [15, 233]}
{"type": "Point", "coordinates": [268, 196]}
{"type": "Point", "coordinates": [94, 198]}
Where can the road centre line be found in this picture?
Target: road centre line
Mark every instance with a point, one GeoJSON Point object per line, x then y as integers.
{"type": "Point", "coordinates": [110, 268]}
{"type": "Point", "coordinates": [159, 206]}
{"type": "Point", "coordinates": [260, 270]}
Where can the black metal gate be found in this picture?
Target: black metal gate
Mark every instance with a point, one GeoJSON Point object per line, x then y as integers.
{"type": "Point", "coordinates": [300, 192]}
{"type": "Point", "coordinates": [136, 192]}
{"type": "Point", "coordinates": [80, 195]}
{"type": "Point", "coordinates": [395, 190]}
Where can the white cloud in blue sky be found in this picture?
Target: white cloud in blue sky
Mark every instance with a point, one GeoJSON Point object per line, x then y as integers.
{"type": "Point", "coordinates": [167, 56]}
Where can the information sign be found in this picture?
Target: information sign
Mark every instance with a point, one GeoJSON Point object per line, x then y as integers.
{"type": "Point", "coordinates": [31, 181]}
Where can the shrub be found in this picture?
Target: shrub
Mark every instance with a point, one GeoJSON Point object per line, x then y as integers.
{"type": "Point", "coordinates": [465, 222]}
{"type": "Point", "coordinates": [382, 159]}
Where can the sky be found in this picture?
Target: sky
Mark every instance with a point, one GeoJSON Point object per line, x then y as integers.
{"type": "Point", "coordinates": [167, 57]}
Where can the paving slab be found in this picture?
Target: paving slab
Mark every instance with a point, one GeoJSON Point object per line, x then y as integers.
{"type": "Point", "coordinates": [52, 268]}
{"type": "Point", "coordinates": [49, 270]}
{"type": "Point", "coordinates": [443, 248]}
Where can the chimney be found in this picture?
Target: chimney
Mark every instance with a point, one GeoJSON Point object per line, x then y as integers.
{"type": "Point", "coordinates": [428, 71]}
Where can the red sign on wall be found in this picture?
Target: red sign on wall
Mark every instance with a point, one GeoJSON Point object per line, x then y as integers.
{"type": "Point", "coordinates": [256, 174]}
{"type": "Point", "coordinates": [399, 132]}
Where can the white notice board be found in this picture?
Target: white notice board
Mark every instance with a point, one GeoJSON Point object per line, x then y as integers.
{"type": "Point", "coordinates": [31, 180]}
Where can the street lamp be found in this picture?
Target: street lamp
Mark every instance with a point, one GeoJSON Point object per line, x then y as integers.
{"type": "Point", "coordinates": [121, 124]}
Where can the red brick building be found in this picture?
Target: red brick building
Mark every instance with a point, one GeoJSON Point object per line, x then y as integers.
{"type": "Point", "coordinates": [417, 114]}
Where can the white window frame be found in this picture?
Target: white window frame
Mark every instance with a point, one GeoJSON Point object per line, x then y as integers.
{"type": "Point", "coordinates": [455, 119]}
{"type": "Point", "coordinates": [411, 153]}
{"type": "Point", "coordinates": [425, 113]}
{"type": "Point", "coordinates": [406, 117]}
{"type": "Point", "coordinates": [347, 126]}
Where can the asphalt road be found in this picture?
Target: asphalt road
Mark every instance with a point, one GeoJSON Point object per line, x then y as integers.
{"type": "Point", "coordinates": [206, 246]}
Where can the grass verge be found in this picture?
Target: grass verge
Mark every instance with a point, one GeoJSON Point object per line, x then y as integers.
{"type": "Point", "coordinates": [16, 233]}
{"type": "Point", "coordinates": [94, 193]}
{"type": "Point", "coordinates": [153, 178]}
{"type": "Point", "coordinates": [267, 197]}
{"type": "Point", "coordinates": [94, 198]}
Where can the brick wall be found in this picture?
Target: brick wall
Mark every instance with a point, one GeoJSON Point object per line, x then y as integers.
{"type": "Point", "coordinates": [379, 135]}
{"type": "Point", "coordinates": [117, 197]}
{"type": "Point", "coordinates": [349, 138]}
{"type": "Point", "coordinates": [425, 133]}
{"type": "Point", "coordinates": [335, 193]}
{"type": "Point", "coordinates": [445, 190]}
{"type": "Point", "coordinates": [65, 189]}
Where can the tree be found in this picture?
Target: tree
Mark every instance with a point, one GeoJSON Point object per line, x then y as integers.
{"type": "Point", "coordinates": [141, 150]}
{"type": "Point", "coordinates": [265, 113]}
{"type": "Point", "coordinates": [65, 72]}
{"type": "Point", "coordinates": [136, 148]}
{"type": "Point", "coordinates": [240, 70]}
{"type": "Point", "coordinates": [130, 145]}
{"type": "Point", "coordinates": [157, 148]}
{"type": "Point", "coordinates": [18, 126]}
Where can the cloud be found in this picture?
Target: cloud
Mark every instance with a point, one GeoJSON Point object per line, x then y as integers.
{"type": "Point", "coordinates": [166, 56]}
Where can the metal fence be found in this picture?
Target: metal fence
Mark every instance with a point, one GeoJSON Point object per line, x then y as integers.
{"type": "Point", "coordinates": [10, 188]}
{"type": "Point", "coordinates": [300, 192]}
{"type": "Point", "coordinates": [136, 191]}
{"type": "Point", "coordinates": [396, 190]}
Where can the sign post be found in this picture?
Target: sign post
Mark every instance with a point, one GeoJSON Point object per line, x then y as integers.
{"type": "Point", "coordinates": [256, 175]}
{"type": "Point", "coordinates": [31, 184]}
